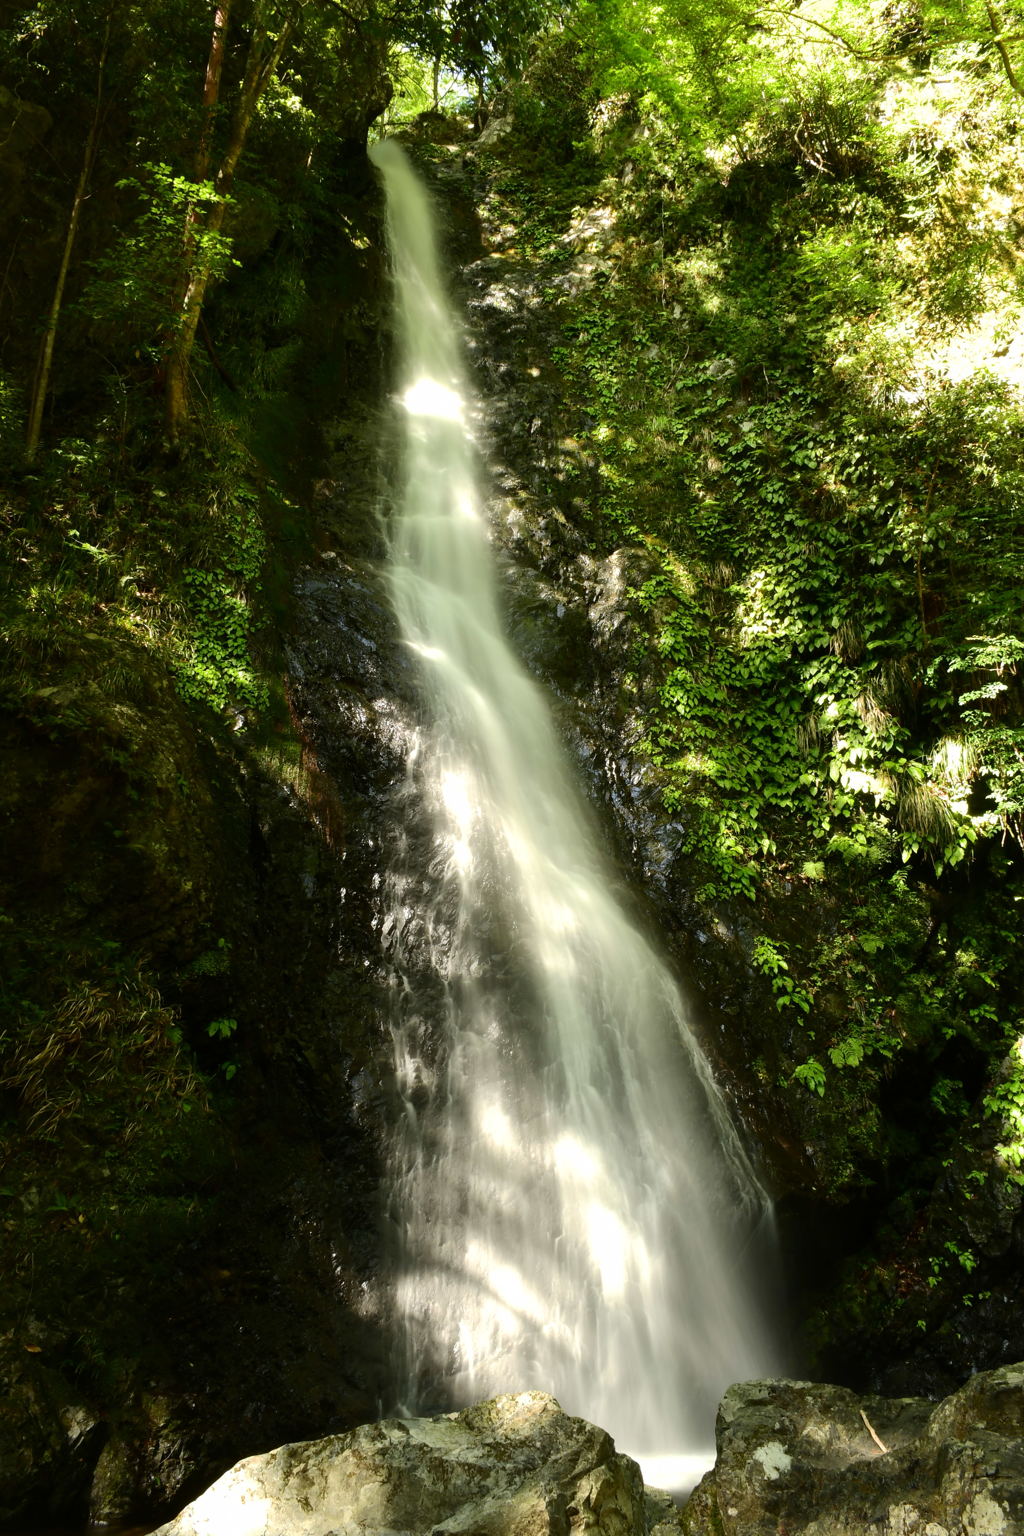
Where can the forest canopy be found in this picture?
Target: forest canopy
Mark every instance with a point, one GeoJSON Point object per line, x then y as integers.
{"type": "Point", "coordinates": [184, 90]}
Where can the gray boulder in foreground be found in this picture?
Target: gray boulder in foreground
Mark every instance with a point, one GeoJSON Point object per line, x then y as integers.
{"type": "Point", "coordinates": [794, 1459]}
{"type": "Point", "coordinates": [797, 1459]}
{"type": "Point", "coordinates": [513, 1466]}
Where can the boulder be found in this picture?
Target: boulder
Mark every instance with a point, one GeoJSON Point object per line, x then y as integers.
{"type": "Point", "coordinates": [513, 1466]}
{"type": "Point", "coordinates": [794, 1459]}
{"type": "Point", "coordinates": [49, 1440]}
{"type": "Point", "coordinates": [808, 1460]}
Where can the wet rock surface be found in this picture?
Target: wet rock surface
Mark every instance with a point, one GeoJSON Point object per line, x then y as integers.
{"type": "Point", "coordinates": [570, 594]}
{"type": "Point", "coordinates": [570, 598]}
{"type": "Point", "coordinates": [223, 1295]}
{"type": "Point", "coordinates": [809, 1460]}
{"type": "Point", "coordinates": [191, 1260]}
{"type": "Point", "coordinates": [794, 1457]}
{"type": "Point", "coordinates": [48, 1439]}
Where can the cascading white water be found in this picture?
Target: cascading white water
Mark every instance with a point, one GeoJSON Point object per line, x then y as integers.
{"type": "Point", "coordinates": [577, 1211]}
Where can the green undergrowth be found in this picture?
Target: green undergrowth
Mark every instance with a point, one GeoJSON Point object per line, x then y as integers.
{"type": "Point", "coordinates": [140, 681]}
{"type": "Point", "coordinates": [114, 559]}
{"type": "Point", "coordinates": [793, 358]}
{"type": "Point", "coordinates": [144, 598]}
{"type": "Point", "coordinates": [113, 1157]}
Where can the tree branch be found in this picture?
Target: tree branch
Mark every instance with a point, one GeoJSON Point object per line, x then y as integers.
{"type": "Point", "coordinates": [1000, 38]}
{"type": "Point", "coordinates": [870, 1429]}
{"type": "Point", "coordinates": [809, 21]}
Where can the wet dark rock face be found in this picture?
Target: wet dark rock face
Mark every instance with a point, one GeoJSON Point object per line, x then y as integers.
{"type": "Point", "coordinates": [224, 1295]}
{"type": "Point", "coordinates": [576, 624]}
{"type": "Point", "coordinates": [215, 1290]}
{"type": "Point", "coordinates": [808, 1459]}
{"type": "Point", "coordinates": [574, 619]}
{"type": "Point", "coordinates": [191, 1251]}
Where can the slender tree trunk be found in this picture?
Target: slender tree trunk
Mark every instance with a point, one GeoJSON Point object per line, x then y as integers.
{"type": "Point", "coordinates": [922, 528]}
{"type": "Point", "coordinates": [211, 87]}
{"type": "Point", "coordinates": [176, 390]}
{"type": "Point", "coordinates": [180, 344]}
{"type": "Point", "coordinates": [41, 381]}
{"type": "Point", "coordinates": [261, 66]}
{"type": "Point", "coordinates": [180, 353]}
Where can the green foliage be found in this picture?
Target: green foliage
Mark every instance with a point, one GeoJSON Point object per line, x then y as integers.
{"type": "Point", "coordinates": [138, 276]}
{"type": "Point", "coordinates": [769, 961]}
{"type": "Point", "coordinates": [812, 1075]}
{"type": "Point", "coordinates": [551, 102]}
{"type": "Point", "coordinates": [108, 1138]}
{"type": "Point", "coordinates": [217, 667]}
{"type": "Point", "coordinates": [114, 572]}
{"type": "Point", "coordinates": [1005, 1103]}
{"type": "Point", "coordinates": [411, 76]}
{"type": "Point", "coordinates": [951, 1253]}
{"type": "Point", "coordinates": [787, 366]}
{"type": "Point", "coordinates": [11, 418]}
{"type": "Point", "coordinates": [211, 962]}
{"type": "Point", "coordinates": [106, 1041]}
{"type": "Point", "coordinates": [476, 38]}
{"type": "Point", "coordinates": [221, 1029]}
{"type": "Point", "coordinates": [805, 586]}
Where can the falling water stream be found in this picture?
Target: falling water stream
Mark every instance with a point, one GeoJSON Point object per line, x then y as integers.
{"type": "Point", "coordinates": [576, 1210]}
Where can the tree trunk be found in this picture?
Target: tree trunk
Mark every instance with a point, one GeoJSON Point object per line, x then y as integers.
{"type": "Point", "coordinates": [180, 353]}
{"type": "Point", "coordinates": [211, 87]}
{"type": "Point", "coordinates": [260, 67]}
{"type": "Point", "coordinates": [180, 345]}
{"type": "Point", "coordinates": [41, 381]}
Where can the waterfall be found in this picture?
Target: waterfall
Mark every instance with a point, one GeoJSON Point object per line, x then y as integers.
{"type": "Point", "coordinates": [577, 1212]}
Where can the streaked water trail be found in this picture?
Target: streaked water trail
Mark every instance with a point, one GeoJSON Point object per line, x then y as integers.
{"type": "Point", "coordinates": [577, 1211]}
